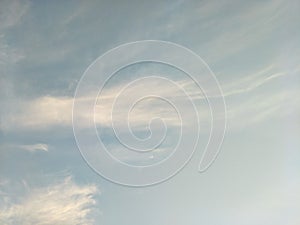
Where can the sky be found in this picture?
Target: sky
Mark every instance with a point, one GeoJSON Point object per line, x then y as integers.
{"type": "Point", "coordinates": [252, 48]}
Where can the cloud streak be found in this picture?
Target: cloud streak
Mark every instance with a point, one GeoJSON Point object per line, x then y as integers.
{"type": "Point", "coordinates": [47, 112]}
{"type": "Point", "coordinates": [34, 147]}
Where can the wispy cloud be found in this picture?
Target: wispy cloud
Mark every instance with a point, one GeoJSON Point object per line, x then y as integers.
{"type": "Point", "coordinates": [37, 147]}
{"type": "Point", "coordinates": [11, 12]}
{"type": "Point", "coordinates": [247, 82]}
{"type": "Point", "coordinates": [252, 81]}
{"type": "Point", "coordinates": [47, 112]}
{"type": "Point", "coordinates": [262, 108]}
{"type": "Point", "coordinates": [34, 147]}
{"type": "Point", "coordinates": [61, 203]}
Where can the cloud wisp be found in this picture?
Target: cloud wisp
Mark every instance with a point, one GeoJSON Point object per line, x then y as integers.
{"type": "Point", "coordinates": [46, 112]}
{"type": "Point", "coordinates": [34, 147]}
{"type": "Point", "coordinates": [61, 203]}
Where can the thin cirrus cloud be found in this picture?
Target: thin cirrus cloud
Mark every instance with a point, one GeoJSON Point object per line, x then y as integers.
{"type": "Point", "coordinates": [45, 48]}
{"type": "Point", "coordinates": [34, 147]}
{"type": "Point", "coordinates": [47, 112]}
{"type": "Point", "coordinates": [60, 203]}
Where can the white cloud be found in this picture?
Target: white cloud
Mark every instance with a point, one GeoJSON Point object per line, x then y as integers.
{"type": "Point", "coordinates": [27, 147]}
{"type": "Point", "coordinates": [34, 147]}
{"type": "Point", "coordinates": [61, 203]}
{"type": "Point", "coordinates": [47, 112]}
{"type": "Point", "coordinates": [40, 113]}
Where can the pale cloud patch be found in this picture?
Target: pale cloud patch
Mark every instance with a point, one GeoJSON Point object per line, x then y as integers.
{"type": "Point", "coordinates": [34, 147]}
{"type": "Point", "coordinates": [246, 83]}
{"type": "Point", "coordinates": [46, 112]}
{"type": "Point", "coordinates": [11, 12]}
{"type": "Point", "coordinates": [38, 147]}
{"type": "Point", "coordinates": [262, 108]}
{"type": "Point", "coordinates": [252, 81]}
{"type": "Point", "coordinates": [61, 203]}
{"type": "Point", "coordinates": [41, 113]}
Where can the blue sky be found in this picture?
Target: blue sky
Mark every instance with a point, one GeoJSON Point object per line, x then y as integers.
{"type": "Point", "coordinates": [251, 46]}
